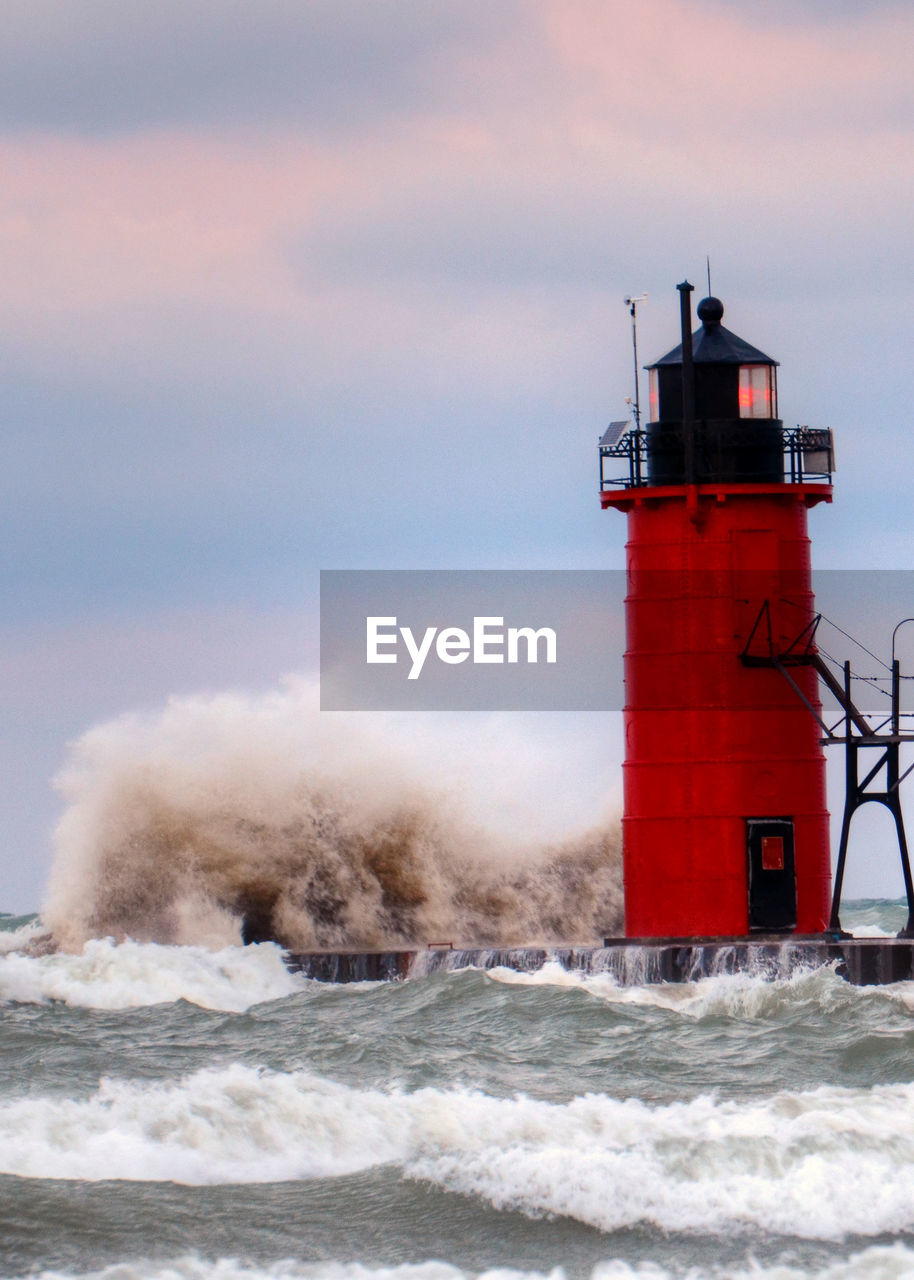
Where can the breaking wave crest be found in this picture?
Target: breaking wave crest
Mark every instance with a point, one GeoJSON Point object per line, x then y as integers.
{"type": "Point", "coordinates": [21, 933]}
{"type": "Point", "coordinates": [105, 975]}
{"type": "Point", "coordinates": [743, 996]}
{"type": "Point", "coordinates": [313, 830]}
{"type": "Point", "coordinates": [134, 974]}
{"type": "Point", "coordinates": [708, 1165]}
{"type": "Point", "coordinates": [880, 1262]}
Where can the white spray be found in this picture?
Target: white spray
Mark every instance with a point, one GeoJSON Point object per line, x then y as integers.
{"type": "Point", "coordinates": [318, 830]}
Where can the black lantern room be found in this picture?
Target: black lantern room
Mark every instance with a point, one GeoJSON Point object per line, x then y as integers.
{"type": "Point", "coordinates": [725, 427]}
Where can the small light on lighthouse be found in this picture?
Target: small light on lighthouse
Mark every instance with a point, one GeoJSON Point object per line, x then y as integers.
{"type": "Point", "coordinates": [654, 394]}
{"type": "Point", "coordinates": [757, 393]}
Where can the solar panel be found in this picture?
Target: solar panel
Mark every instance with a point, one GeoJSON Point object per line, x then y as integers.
{"type": "Point", "coordinates": [818, 447]}
{"type": "Point", "coordinates": [613, 433]}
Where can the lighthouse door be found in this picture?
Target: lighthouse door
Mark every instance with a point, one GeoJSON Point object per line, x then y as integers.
{"type": "Point", "coordinates": [772, 878]}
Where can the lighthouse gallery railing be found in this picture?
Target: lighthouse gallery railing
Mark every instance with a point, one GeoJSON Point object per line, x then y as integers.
{"type": "Point", "coordinates": [808, 454]}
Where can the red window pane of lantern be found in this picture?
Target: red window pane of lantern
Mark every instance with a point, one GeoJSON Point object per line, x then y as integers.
{"type": "Point", "coordinates": [757, 391]}
{"type": "Point", "coordinates": [654, 394]}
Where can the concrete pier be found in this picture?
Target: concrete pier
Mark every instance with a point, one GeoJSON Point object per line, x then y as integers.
{"type": "Point", "coordinates": [633, 962]}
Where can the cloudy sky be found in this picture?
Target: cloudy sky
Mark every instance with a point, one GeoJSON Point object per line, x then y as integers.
{"type": "Point", "coordinates": [301, 284]}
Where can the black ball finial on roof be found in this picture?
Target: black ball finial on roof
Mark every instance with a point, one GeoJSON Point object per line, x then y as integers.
{"type": "Point", "coordinates": [710, 312]}
{"type": "Point", "coordinates": [712, 344]}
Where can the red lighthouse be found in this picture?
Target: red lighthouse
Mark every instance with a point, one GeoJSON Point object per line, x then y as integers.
{"type": "Point", "coordinates": [725, 830]}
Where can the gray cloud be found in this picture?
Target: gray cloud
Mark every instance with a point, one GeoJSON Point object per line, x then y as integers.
{"type": "Point", "coordinates": [105, 66]}
{"type": "Point", "coordinates": [465, 233]}
{"type": "Point", "coordinates": [807, 12]}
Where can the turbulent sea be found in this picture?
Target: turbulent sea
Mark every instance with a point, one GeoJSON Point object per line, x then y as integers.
{"type": "Point", "coordinates": [178, 1112]}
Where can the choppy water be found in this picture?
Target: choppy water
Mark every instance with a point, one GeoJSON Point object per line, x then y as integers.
{"type": "Point", "coordinates": [172, 1112]}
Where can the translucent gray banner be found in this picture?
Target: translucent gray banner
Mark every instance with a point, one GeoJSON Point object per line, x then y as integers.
{"type": "Point", "coordinates": [468, 640]}
{"type": "Point", "coordinates": [553, 640]}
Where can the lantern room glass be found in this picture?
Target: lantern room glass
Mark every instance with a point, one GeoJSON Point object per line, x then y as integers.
{"type": "Point", "coordinates": [757, 391]}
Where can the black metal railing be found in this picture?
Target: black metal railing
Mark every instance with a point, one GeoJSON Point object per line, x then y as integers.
{"type": "Point", "coordinates": [723, 452]}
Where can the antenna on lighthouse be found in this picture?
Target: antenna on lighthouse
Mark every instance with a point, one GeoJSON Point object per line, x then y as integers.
{"type": "Point", "coordinates": [632, 304]}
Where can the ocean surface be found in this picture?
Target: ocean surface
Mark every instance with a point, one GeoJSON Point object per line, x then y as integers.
{"type": "Point", "coordinates": [171, 1112]}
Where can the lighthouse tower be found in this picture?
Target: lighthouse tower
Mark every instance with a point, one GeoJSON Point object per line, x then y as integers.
{"type": "Point", "coordinates": [725, 829]}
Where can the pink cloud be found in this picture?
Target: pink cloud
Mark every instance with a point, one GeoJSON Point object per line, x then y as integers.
{"type": "Point", "coordinates": [87, 223]}
{"type": "Point", "coordinates": [717, 75]}
{"type": "Point", "coordinates": [597, 137]}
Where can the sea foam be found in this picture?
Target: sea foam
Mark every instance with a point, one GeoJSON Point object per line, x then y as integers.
{"type": "Point", "coordinates": [103, 975]}
{"type": "Point", "coordinates": [707, 1165]}
{"type": "Point", "coordinates": [741, 995]}
{"type": "Point", "coordinates": [880, 1262]}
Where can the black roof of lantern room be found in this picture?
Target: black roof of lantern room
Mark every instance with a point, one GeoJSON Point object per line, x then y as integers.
{"type": "Point", "coordinates": [713, 344]}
